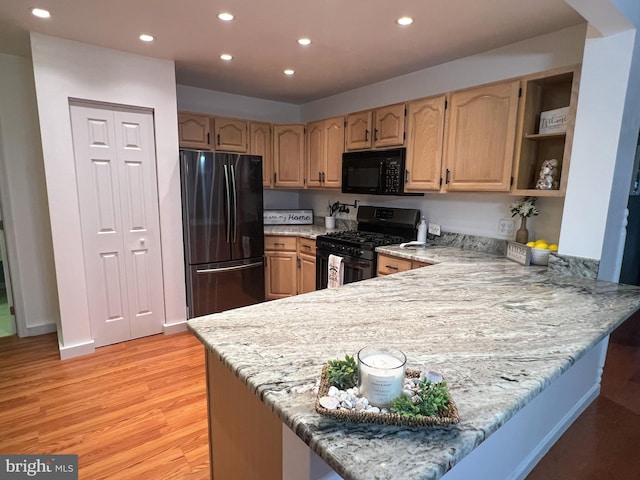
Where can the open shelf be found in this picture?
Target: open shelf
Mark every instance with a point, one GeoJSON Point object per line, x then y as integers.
{"type": "Point", "coordinates": [543, 92]}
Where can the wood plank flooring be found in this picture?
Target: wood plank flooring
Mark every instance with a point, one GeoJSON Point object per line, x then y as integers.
{"type": "Point", "coordinates": [134, 410]}
{"type": "Point", "coordinates": [137, 410]}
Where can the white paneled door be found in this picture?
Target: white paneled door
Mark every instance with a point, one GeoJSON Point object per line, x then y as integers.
{"type": "Point", "coordinates": [116, 174]}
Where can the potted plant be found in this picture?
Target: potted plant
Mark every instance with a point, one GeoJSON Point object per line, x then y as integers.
{"type": "Point", "coordinates": [524, 208]}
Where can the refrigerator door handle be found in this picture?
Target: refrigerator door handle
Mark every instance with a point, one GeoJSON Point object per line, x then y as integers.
{"type": "Point", "coordinates": [228, 269]}
{"type": "Point", "coordinates": [226, 191]}
{"type": "Point", "coordinates": [235, 204]}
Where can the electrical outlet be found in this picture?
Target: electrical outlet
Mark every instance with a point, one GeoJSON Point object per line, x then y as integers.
{"type": "Point", "coordinates": [434, 229]}
{"type": "Point", "coordinates": [505, 227]}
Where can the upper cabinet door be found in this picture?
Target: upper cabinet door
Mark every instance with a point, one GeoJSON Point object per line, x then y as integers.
{"type": "Point", "coordinates": [389, 126]}
{"type": "Point", "coordinates": [230, 135]}
{"type": "Point", "coordinates": [359, 134]}
{"type": "Point", "coordinates": [480, 138]}
{"type": "Point", "coordinates": [334, 148]}
{"type": "Point", "coordinates": [425, 128]}
{"type": "Point", "coordinates": [194, 131]}
{"type": "Point", "coordinates": [315, 153]}
{"type": "Point", "coordinates": [260, 144]}
{"type": "Point", "coordinates": [288, 156]}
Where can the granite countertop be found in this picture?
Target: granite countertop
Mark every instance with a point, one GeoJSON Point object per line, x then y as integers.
{"type": "Point", "coordinates": [306, 231]}
{"type": "Point", "coordinates": [499, 332]}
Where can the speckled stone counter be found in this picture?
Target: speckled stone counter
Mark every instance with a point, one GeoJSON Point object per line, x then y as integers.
{"type": "Point", "coordinates": [499, 332]}
{"type": "Point", "coordinates": [306, 231]}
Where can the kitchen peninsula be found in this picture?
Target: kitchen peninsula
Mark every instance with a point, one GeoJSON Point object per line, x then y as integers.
{"type": "Point", "coordinates": [521, 350]}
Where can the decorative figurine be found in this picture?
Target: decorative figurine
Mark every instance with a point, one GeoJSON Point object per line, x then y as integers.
{"type": "Point", "coordinates": [548, 177]}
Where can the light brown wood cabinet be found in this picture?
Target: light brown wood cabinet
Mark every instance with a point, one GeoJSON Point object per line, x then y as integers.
{"type": "Point", "coordinates": [543, 92]}
{"type": "Point", "coordinates": [288, 156]}
{"type": "Point", "coordinates": [389, 264]}
{"type": "Point", "coordinates": [260, 143]}
{"type": "Point", "coordinates": [379, 128]}
{"type": "Point", "coordinates": [425, 136]}
{"type": "Point", "coordinates": [480, 138]}
{"type": "Point", "coordinates": [281, 268]}
{"type": "Point", "coordinates": [194, 130]}
{"type": "Point", "coordinates": [290, 267]}
{"type": "Point", "coordinates": [231, 135]}
{"type": "Point", "coordinates": [306, 265]}
{"type": "Point", "coordinates": [325, 145]}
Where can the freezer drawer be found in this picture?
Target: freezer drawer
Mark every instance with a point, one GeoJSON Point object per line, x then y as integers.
{"type": "Point", "coordinates": [216, 287]}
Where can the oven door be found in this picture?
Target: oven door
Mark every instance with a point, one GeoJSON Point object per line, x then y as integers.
{"type": "Point", "coordinates": [355, 269]}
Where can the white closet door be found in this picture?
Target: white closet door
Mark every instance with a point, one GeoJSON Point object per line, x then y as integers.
{"type": "Point", "coordinates": [140, 221]}
{"type": "Point", "coordinates": [114, 170]}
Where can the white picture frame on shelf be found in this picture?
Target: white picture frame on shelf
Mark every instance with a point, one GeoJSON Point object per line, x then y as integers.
{"type": "Point", "coordinates": [554, 121]}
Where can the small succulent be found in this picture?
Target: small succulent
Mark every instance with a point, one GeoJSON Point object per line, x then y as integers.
{"type": "Point", "coordinates": [343, 374]}
{"type": "Point", "coordinates": [431, 400]}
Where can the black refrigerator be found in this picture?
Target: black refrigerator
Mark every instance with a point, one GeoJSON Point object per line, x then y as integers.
{"type": "Point", "coordinates": [223, 230]}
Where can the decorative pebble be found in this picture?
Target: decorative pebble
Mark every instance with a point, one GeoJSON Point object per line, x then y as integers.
{"type": "Point", "coordinates": [434, 377]}
{"type": "Point", "coordinates": [373, 409]}
{"type": "Point", "coordinates": [347, 404]}
{"type": "Point", "coordinates": [360, 406]}
{"type": "Point", "coordinates": [409, 392]}
{"type": "Point", "coordinates": [384, 410]}
{"type": "Point", "coordinates": [330, 403]}
{"type": "Point", "coordinates": [333, 391]}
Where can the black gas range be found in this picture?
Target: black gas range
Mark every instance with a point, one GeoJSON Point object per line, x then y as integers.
{"type": "Point", "coordinates": [377, 226]}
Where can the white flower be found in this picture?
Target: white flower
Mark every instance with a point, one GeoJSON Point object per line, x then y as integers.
{"type": "Point", "coordinates": [525, 207]}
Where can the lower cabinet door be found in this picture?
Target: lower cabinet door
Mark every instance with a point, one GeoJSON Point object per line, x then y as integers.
{"type": "Point", "coordinates": [307, 274]}
{"type": "Point", "coordinates": [280, 274]}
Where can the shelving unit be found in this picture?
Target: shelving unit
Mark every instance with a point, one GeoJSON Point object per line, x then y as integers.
{"type": "Point", "coordinates": [540, 93]}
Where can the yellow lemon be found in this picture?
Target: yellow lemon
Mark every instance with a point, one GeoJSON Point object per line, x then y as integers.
{"type": "Point", "coordinates": [530, 244]}
{"type": "Point", "coordinates": [553, 247]}
{"type": "Point", "coordinates": [542, 240]}
{"type": "Point", "coordinates": [542, 245]}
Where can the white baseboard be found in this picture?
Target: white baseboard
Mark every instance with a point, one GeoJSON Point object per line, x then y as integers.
{"type": "Point", "coordinates": [40, 330]}
{"type": "Point", "coordinates": [171, 328]}
{"type": "Point", "coordinates": [76, 350]}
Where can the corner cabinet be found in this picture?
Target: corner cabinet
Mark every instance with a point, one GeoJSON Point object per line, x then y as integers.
{"type": "Point", "coordinates": [543, 92]}
{"type": "Point", "coordinates": [379, 128]}
{"type": "Point", "coordinates": [288, 156]}
{"type": "Point", "coordinates": [480, 138]}
{"type": "Point", "coordinates": [425, 132]}
{"type": "Point", "coordinates": [325, 145]}
{"type": "Point", "coordinates": [194, 131]}
{"type": "Point", "coordinates": [306, 265]}
{"type": "Point", "coordinates": [260, 143]}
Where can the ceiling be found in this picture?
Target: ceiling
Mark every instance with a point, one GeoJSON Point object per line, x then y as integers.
{"type": "Point", "coordinates": [354, 42]}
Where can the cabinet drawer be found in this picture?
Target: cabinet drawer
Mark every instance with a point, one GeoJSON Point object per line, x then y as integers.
{"type": "Point", "coordinates": [388, 264]}
{"type": "Point", "coordinates": [280, 243]}
{"type": "Point", "coordinates": [417, 264]}
{"type": "Point", "coordinates": [306, 246]}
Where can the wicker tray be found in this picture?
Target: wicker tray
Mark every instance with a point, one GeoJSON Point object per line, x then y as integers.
{"type": "Point", "coordinates": [451, 415]}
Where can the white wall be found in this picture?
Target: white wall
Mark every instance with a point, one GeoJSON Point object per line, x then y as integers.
{"type": "Point", "coordinates": [24, 200]}
{"type": "Point", "coordinates": [475, 214]}
{"type": "Point", "coordinates": [65, 69]}
{"type": "Point", "coordinates": [556, 49]}
{"type": "Point", "coordinates": [199, 100]}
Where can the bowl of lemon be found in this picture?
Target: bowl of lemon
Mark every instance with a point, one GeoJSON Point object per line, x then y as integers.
{"type": "Point", "coordinates": [540, 251]}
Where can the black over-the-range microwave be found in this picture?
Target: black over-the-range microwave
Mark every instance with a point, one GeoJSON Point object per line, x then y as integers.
{"type": "Point", "coordinates": [374, 172]}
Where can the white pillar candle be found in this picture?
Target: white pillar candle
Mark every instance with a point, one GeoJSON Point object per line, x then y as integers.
{"type": "Point", "coordinates": [381, 374]}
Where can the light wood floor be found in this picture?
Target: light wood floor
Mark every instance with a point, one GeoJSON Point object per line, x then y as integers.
{"type": "Point", "coordinates": [135, 410]}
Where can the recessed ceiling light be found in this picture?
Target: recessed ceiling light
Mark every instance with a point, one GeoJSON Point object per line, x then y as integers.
{"type": "Point", "coordinates": [304, 41]}
{"type": "Point", "coordinates": [225, 16]}
{"type": "Point", "coordinates": [226, 57]}
{"type": "Point", "coordinates": [39, 12]}
{"type": "Point", "coordinates": [405, 21]}
{"type": "Point", "coordinates": [288, 71]}
{"type": "Point", "coordinates": [146, 38]}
